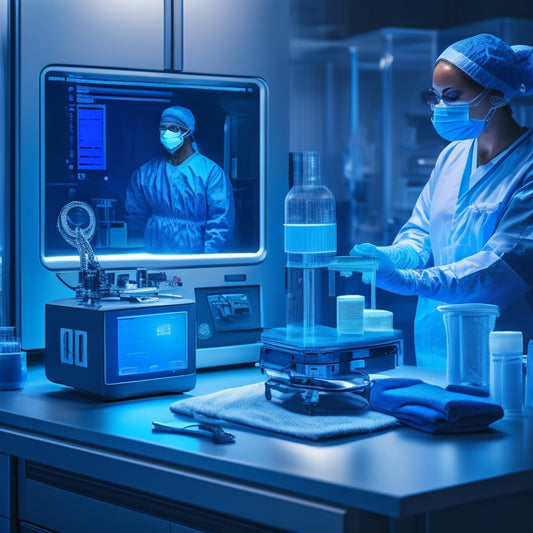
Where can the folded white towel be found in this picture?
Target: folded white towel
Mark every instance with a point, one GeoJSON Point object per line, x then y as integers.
{"type": "Point", "coordinates": [335, 415]}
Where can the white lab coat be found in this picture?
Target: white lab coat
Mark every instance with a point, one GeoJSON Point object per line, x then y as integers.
{"type": "Point", "coordinates": [473, 229]}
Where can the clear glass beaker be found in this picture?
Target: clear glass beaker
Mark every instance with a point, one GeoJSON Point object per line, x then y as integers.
{"type": "Point", "coordinates": [468, 328]}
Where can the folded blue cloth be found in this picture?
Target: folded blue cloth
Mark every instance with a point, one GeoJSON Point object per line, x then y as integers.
{"type": "Point", "coordinates": [432, 408]}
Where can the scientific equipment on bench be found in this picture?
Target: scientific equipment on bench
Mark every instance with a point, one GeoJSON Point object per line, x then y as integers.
{"type": "Point", "coordinates": [116, 342]}
{"type": "Point", "coordinates": [307, 357]}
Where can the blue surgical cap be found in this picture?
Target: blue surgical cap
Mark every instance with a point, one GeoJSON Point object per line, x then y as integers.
{"type": "Point", "coordinates": [494, 64]}
{"type": "Point", "coordinates": [179, 115]}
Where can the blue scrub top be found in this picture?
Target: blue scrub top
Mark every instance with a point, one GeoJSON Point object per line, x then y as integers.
{"type": "Point", "coordinates": [181, 209]}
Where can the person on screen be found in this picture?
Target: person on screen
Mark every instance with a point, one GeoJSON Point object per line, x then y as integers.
{"type": "Point", "coordinates": [182, 203]}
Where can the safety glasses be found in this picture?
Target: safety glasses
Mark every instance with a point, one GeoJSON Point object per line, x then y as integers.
{"type": "Point", "coordinates": [450, 97]}
{"type": "Point", "coordinates": [174, 128]}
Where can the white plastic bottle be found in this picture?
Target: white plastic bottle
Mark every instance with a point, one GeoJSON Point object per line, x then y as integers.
{"type": "Point", "coordinates": [506, 349]}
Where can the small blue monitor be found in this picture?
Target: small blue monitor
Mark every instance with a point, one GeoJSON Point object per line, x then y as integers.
{"type": "Point", "coordinates": [121, 349]}
{"type": "Point", "coordinates": [149, 346]}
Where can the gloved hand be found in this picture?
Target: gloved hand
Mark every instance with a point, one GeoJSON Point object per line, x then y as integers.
{"type": "Point", "coordinates": [396, 269]}
{"type": "Point", "coordinates": [376, 252]}
{"type": "Point", "coordinates": [385, 263]}
{"type": "Point", "coordinates": [401, 255]}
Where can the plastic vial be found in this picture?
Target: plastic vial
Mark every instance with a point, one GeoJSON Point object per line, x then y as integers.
{"type": "Point", "coordinates": [506, 369]}
{"type": "Point", "coordinates": [310, 240]}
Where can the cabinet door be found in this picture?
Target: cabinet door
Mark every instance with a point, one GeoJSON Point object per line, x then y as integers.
{"type": "Point", "coordinates": [63, 510]}
{"type": "Point", "coordinates": [5, 489]}
{"type": "Point", "coordinates": [127, 34]}
{"type": "Point", "coordinates": [243, 38]}
{"type": "Point", "coordinates": [100, 33]}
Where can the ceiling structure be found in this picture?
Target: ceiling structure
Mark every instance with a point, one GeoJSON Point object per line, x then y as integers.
{"type": "Point", "coordinates": [339, 19]}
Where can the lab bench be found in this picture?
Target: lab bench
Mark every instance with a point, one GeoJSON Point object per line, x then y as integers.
{"type": "Point", "coordinates": [70, 463]}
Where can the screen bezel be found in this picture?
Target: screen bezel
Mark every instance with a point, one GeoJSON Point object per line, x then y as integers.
{"type": "Point", "coordinates": [144, 259]}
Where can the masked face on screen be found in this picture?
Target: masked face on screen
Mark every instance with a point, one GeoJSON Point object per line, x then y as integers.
{"type": "Point", "coordinates": [172, 140]}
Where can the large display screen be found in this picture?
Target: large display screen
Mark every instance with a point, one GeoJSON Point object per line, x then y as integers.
{"type": "Point", "coordinates": [98, 127]}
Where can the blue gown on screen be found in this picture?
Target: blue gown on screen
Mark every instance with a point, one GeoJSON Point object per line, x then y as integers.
{"type": "Point", "coordinates": [184, 209]}
{"type": "Point", "coordinates": [473, 230]}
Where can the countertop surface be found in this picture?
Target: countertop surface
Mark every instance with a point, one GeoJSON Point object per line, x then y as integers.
{"type": "Point", "coordinates": [399, 471]}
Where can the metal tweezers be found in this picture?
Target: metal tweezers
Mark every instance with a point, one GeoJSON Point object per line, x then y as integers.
{"type": "Point", "coordinates": [203, 429]}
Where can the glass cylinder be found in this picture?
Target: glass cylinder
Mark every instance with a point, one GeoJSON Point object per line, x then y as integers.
{"type": "Point", "coordinates": [310, 239]}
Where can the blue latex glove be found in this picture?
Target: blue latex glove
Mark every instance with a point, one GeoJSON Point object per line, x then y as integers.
{"type": "Point", "coordinates": [392, 275]}
{"type": "Point", "coordinates": [369, 250]}
{"type": "Point", "coordinates": [390, 258]}
{"type": "Point", "coordinates": [401, 255]}
{"type": "Point", "coordinates": [385, 263]}
{"type": "Point", "coordinates": [477, 278]}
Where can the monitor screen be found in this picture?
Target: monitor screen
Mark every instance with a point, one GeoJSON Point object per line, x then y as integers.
{"type": "Point", "coordinates": [101, 143]}
{"type": "Point", "coordinates": [149, 345]}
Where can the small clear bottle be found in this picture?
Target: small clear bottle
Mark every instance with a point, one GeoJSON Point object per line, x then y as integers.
{"type": "Point", "coordinates": [506, 349]}
{"type": "Point", "coordinates": [310, 239]}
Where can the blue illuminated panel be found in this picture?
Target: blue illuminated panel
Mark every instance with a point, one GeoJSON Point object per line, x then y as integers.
{"type": "Point", "coordinates": [149, 345]}
{"type": "Point", "coordinates": [91, 137]}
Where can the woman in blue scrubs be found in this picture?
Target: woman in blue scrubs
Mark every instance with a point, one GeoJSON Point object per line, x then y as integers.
{"type": "Point", "coordinates": [182, 204]}
{"type": "Point", "coordinates": [470, 235]}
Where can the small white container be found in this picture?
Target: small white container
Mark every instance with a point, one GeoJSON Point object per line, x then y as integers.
{"type": "Point", "coordinates": [506, 349]}
{"type": "Point", "coordinates": [350, 314]}
{"type": "Point", "coordinates": [378, 320]}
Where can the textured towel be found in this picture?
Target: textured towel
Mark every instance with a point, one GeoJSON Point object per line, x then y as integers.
{"type": "Point", "coordinates": [335, 415]}
{"type": "Point", "coordinates": [432, 408]}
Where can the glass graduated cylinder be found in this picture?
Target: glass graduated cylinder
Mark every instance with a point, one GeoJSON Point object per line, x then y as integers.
{"type": "Point", "coordinates": [310, 239]}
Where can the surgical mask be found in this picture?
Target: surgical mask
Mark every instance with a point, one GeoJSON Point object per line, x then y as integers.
{"type": "Point", "coordinates": [171, 140]}
{"type": "Point", "coordinates": [453, 122]}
